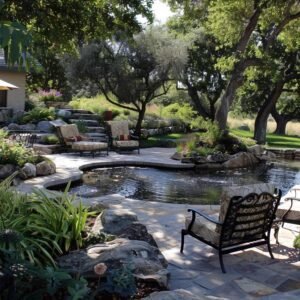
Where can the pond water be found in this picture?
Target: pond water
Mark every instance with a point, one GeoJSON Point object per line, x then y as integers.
{"type": "Point", "coordinates": [181, 186]}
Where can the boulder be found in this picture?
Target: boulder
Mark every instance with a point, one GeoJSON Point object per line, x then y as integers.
{"type": "Point", "coordinates": [113, 221]}
{"type": "Point", "coordinates": [244, 127]}
{"type": "Point", "coordinates": [64, 113]}
{"type": "Point", "coordinates": [241, 160]}
{"type": "Point", "coordinates": [176, 156]}
{"type": "Point", "coordinates": [218, 157]}
{"type": "Point", "coordinates": [28, 171]}
{"type": "Point", "coordinates": [28, 127]}
{"type": "Point", "coordinates": [137, 231]}
{"type": "Point", "coordinates": [13, 126]}
{"type": "Point", "coordinates": [177, 295]}
{"type": "Point", "coordinates": [7, 170]}
{"type": "Point", "coordinates": [268, 155]}
{"type": "Point", "coordinates": [46, 167]}
{"type": "Point", "coordinates": [147, 262]}
{"type": "Point", "coordinates": [257, 150]}
{"type": "Point", "coordinates": [45, 126]}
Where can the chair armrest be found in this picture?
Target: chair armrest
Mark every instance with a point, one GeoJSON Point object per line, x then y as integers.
{"type": "Point", "coordinates": [194, 213]}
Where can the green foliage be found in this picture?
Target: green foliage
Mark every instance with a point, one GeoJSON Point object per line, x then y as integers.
{"type": "Point", "coordinates": [22, 280]}
{"type": "Point", "coordinates": [50, 139]}
{"type": "Point", "coordinates": [297, 242]}
{"type": "Point", "coordinates": [38, 114]}
{"type": "Point", "coordinates": [211, 135]}
{"type": "Point", "coordinates": [120, 282]}
{"type": "Point", "coordinates": [16, 154]}
{"type": "Point", "coordinates": [82, 128]}
{"type": "Point", "coordinates": [16, 40]}
{"type": "Point", "coordinates": [50, 224]}
{"type": "Point", "coordinates": [183, 112]}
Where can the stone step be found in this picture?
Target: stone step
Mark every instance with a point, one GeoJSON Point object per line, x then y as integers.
{"type": "Point", "coordinates": [88, 123]}
{"type": "Point", "coordinates": [96, 134]}
{"type": "Point", "coordinates": [85, 116]}
{"type": "Point", "coordinates": [96, 129]}
{"type": "Point", "coordinates": [79, 111]}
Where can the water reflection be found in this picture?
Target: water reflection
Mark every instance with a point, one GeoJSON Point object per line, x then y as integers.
{"type": "Point", "coordinates": [181, 186]}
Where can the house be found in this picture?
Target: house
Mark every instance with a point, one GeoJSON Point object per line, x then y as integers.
{"type": "Point", "coordinates": [14, 99]}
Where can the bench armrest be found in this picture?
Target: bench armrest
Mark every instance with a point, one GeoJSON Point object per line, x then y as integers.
{"type": "Point", "coordinates": [194, 213]}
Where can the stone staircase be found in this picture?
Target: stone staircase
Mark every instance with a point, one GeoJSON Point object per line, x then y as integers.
{"type": "Point", "coordinates": [95, 130]}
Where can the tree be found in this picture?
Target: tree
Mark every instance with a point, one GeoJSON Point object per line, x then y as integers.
{"type": "Point", "coordinates": [40, 27]}
{"type": "Point", "coordinates": [287, 108]}
{"type": "Point", "coordinates": [244, 19]}
{"type": "Point", "coordinates": [129, 74]}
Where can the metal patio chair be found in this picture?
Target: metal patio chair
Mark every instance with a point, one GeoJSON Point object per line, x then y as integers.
{"type": "Point", "coordinates": [245, 220]}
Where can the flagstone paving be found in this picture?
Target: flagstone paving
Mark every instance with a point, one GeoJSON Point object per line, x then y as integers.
{"type": "Point", "coordinates": [251, 274]}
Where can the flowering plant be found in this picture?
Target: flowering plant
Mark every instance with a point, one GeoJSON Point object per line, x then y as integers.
{"type": "Point", "coordinates": [51, 95]}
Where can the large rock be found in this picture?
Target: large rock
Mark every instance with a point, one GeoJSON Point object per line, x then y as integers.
{"type": "Point", "coordinates": [7, 170]}
{"type": "Point", "coordinates": [28, 171]}
{"type": "Point", "coordinates": [177, 295]}
{"type": "Point", "coordinates": [146, 261]}
{"type": "Point", "coordinates": [64, 113]}
{"type": "Point", "coordinates": [241, 160]}
{"type": "Point", "coordinates": [114, 221]}
{"type": "Point", "coordinates": [13, 126]}
{"type": "Point", "coordinates": [46, 167]}
{"type": "Point", "coordinates": [218, 157]}
{"type": "Point", "coordinates": [125, 226]}
{"type": "Point", "coordinates": [28, 127]}
{"type": "Point", "coordinates": [257, 150]}
{"type": "Point", "coordinates": [45, 126]}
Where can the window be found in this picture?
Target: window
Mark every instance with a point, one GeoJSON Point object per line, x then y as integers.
{"type": "Point", "coordinates": [3, 98]}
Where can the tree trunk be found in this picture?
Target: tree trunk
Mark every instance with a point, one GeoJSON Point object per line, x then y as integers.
{"type": "Point", "coordinates": [260, 126]}
{"type": "Point", "coordinates": [281, 121]}
{"type": "Point", "coordinates": [192, 91]}
{"type": "Point", "coordinates": [235, 82]}
{"type": "Point", "coordinates": [141, 115]}
{"type": "Point", "coordinates": [236, 79]}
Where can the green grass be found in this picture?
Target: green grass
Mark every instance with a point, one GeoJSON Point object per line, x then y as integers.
{"type": "Point", "coordinates": [166, 140]}
{"type": "Point", "coordinates": [273, 140]}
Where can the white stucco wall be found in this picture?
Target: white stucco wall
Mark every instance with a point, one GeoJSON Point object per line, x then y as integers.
{"type": "Point", "coordinates": [15, 98]}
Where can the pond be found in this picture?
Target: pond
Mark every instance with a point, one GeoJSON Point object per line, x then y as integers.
{"type": "Point", "coordinates": [181, 186]}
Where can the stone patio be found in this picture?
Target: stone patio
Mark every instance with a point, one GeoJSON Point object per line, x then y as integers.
{"type": "Point", "coordinates": [251, 274]}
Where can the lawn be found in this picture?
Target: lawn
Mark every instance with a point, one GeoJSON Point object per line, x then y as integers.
{"type": "Point", "coordinates": [273, 140]}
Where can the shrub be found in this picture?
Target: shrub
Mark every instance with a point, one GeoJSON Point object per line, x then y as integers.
{"type": "Point", "coordinates": [38, 114]}
{"type": "Point", "coordinates": [82, 128]}
{"type": "Point", "coordinates": [50, 139]}
{"type": "Point", "coordinates": [183, 112]}
{"type": "Point", "coordinates": [297, 242]}
{"type": "Point", "coordinates": [50, 224]}
{"type": "Point", "coordinates": [16, 154]}
{"type": "Point", "coordinates": [51, 95]}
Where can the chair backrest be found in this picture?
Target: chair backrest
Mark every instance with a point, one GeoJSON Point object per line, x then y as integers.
{"type": "Point", "coordinates": [243, 190]}
{"type": "Point", "coordinates": [66, 132]}
{"type": "Point", "coordinates": [249, 218]}
{"type": "Point", "coordinates": [118, 128]}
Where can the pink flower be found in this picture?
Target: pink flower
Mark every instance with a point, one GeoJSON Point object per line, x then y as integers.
{"type": "Point", "coordinates": [100, 269]}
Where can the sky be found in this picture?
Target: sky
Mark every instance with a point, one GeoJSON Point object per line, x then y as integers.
{"type": "Point", "coordinates": [161, 11]}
